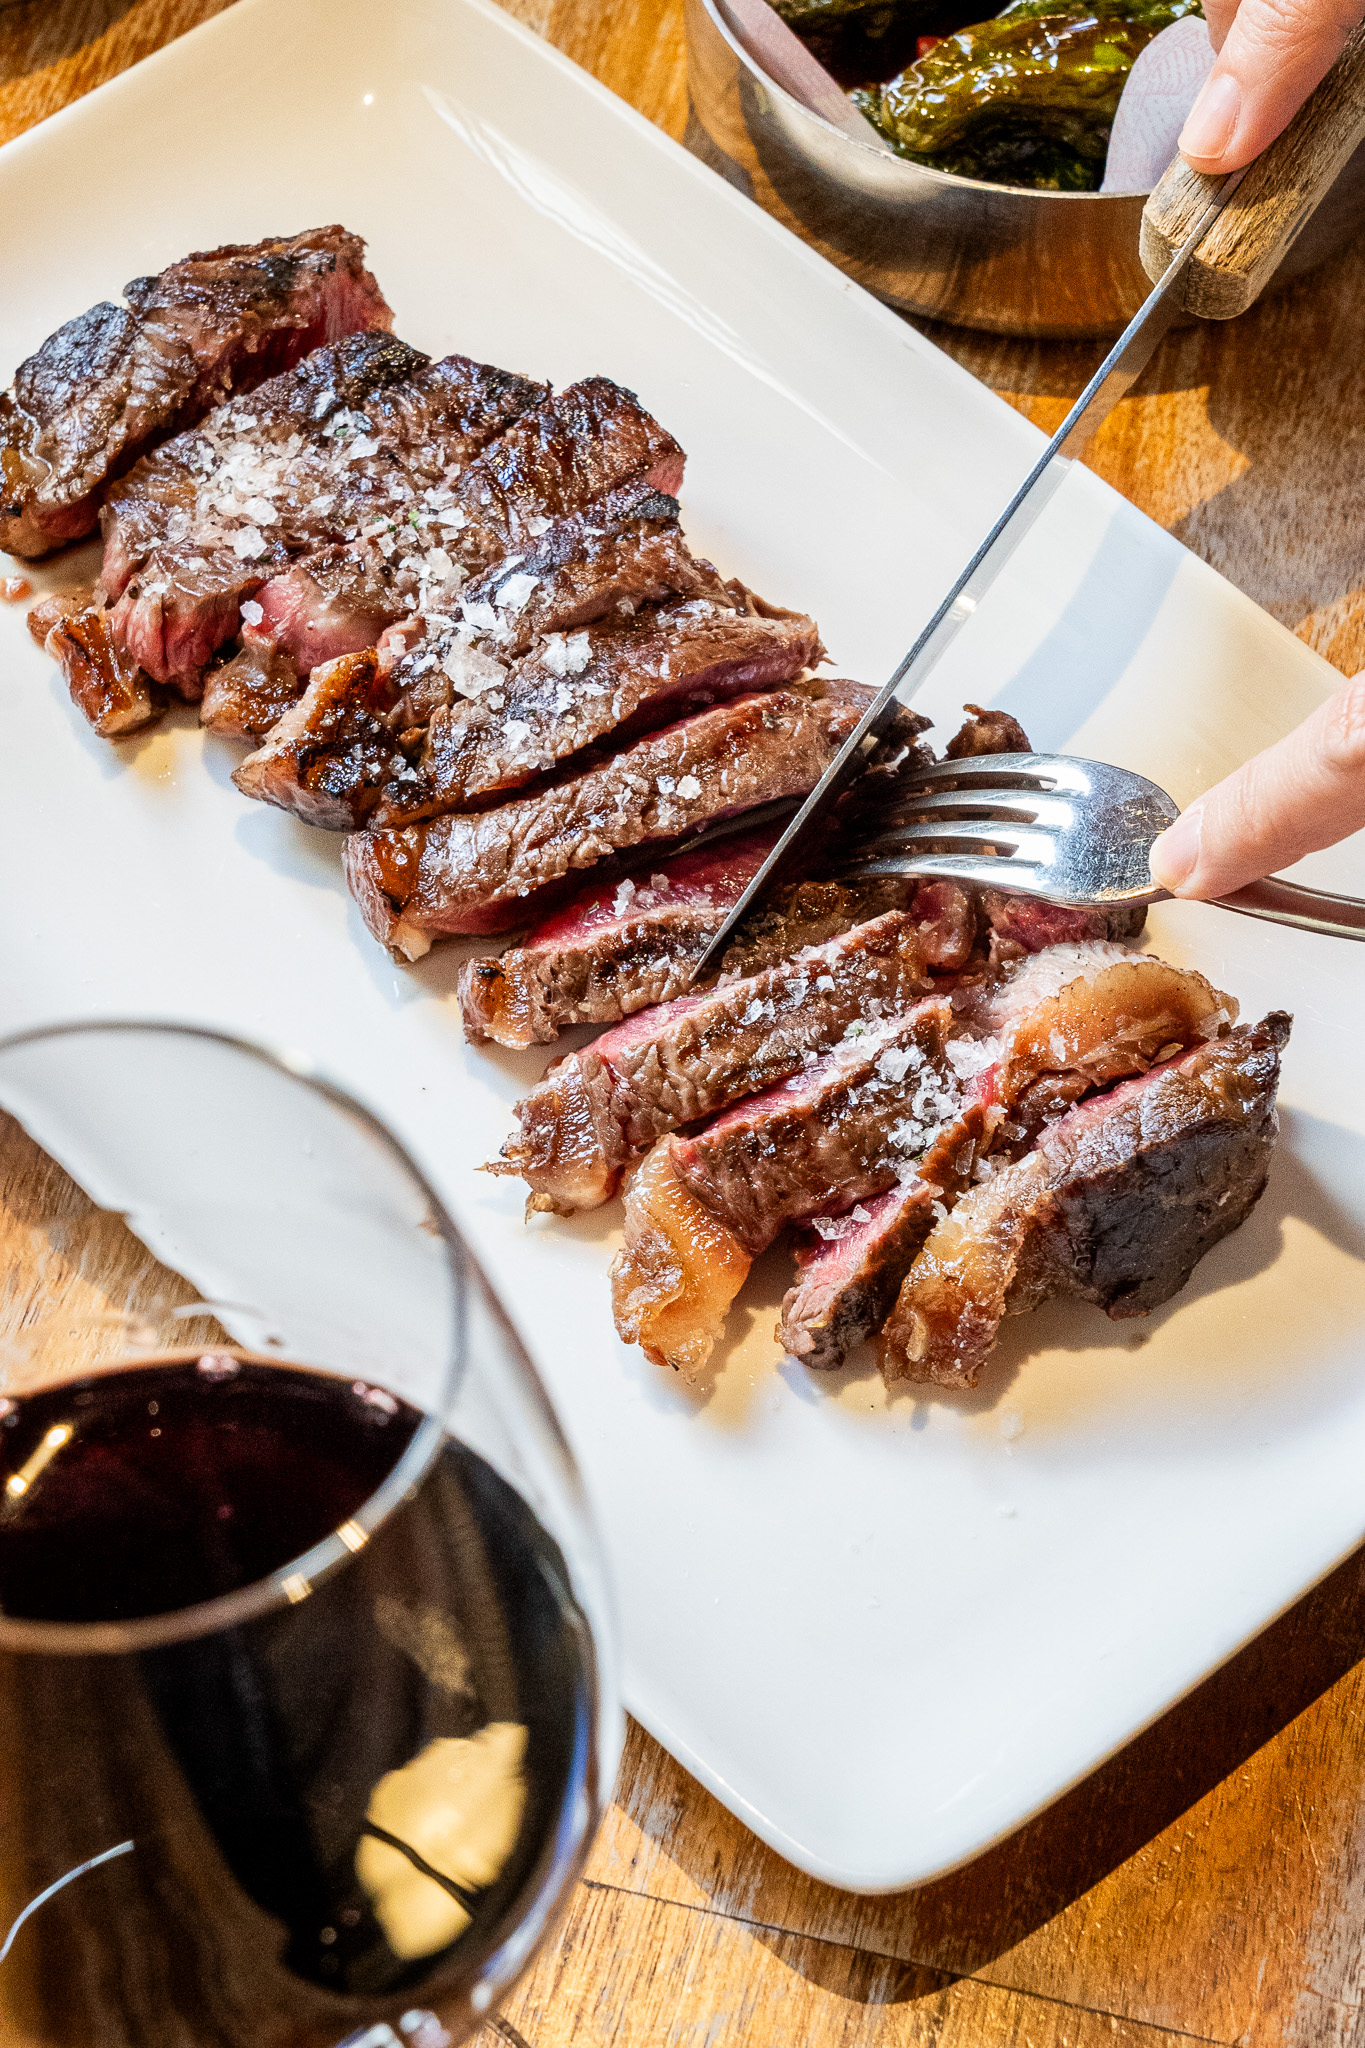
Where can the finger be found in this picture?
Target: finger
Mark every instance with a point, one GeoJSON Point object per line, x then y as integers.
{"type": "Point", "coordinates": [1306, 792]}
{"type": "Point", "coordinates": [1273, 54]}
{"type": "Point", "coordinates": [1219, 15]}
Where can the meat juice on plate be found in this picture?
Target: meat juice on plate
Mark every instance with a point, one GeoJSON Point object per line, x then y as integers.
{"type": "Point", "coordinates": [346, 1799]}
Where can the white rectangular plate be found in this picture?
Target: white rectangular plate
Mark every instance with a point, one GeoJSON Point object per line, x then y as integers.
{"type": "Point", "coordinates": [883, 1632]}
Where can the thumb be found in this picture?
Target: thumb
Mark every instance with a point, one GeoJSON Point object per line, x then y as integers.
{"type": "Point", "coordinates": [1306, 792]}
{"type": "Point", "coordinates": [1273, 55]}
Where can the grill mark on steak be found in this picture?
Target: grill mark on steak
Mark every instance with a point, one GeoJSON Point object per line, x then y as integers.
{"type": "Point", "coordinates": [110, 690]}
{"type": "Point", "coordinates": [1117, 1204]}
{"type": "Point", "coordinates": [399, 747]}
{"type": "Point", "coordinates": [852, 1125]}
{"type": "Point", "coordinates": [593, 964]}
{"type": "Point", "coordinates": [325, 465]}
{"type": "Point", "coordinates": [117, 380]}
{"type": "Point", "coordinates": [850, 1272]}
{"type": "Point", "coordinates": [1011, 1053]}
{"type": "Point", "coordinates": [606, 1105]}
{"type": "Point", "coordinates": [486, 871]}
{"type": "Point", "coordinates": [248, 694]}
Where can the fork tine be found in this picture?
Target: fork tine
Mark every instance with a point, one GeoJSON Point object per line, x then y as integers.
{"type": "Point", "coordinates": [980, 871]}
{"type": "Point", "coordinates": [1045, 809]}
{"type": "Point", "coordinates": [965, 835]}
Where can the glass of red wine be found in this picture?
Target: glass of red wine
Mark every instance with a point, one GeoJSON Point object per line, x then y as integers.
{"type": "Point", "coordinates": [308, 1704]}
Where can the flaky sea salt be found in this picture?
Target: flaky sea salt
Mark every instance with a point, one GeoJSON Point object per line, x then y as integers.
{"type": "Point", "coordinates": [689, 787]}
{"type": "Point", "coordinates": [250, 544]}
{"type": "Point", "coordinates": [252, 612]}
{"type": "Point", "coordinates": [566, 657]}
{"type": "Point", "coordinates": [514, 593]}
{"type": "Point", "coordinates": [969, 1056]}
{"type": "Point", "coordinates": [470, 669]}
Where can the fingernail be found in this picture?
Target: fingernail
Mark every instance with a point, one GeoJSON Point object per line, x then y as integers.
{"type": "Point", "coordinates": [1175, 852]}
{"type": "Point", "coordinates": [1212, 120]}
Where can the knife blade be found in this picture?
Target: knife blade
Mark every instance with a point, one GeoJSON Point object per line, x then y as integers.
{"type": "Point", "coordinates": [1120, 369]}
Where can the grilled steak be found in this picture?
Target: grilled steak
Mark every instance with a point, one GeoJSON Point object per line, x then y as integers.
{"type": "Point", "coordinates": [987, 732]}
{"type": "Point", "coordinates": [395, 742]}
{"type": "Point", "coordinates": [117, 380]}
{"type": "Point", "coordinates": [1009, 1053]}
{"type": "Point", "coordinates": [1117, 1204]}
{"type": "Point", "coordinates": [850, 1126]}
{"type": "Point", "coordinates": [850, 1270]}
{"type": "Point", "coordinates": [485, 872]}
{"type": "Point", "coordinates": [359, 442]}
{"type": "Point", "coordinates": [678, 1271]}
{"type": "Point", "coordinates": [413, 556]}
{"type": "Point", "coordinates": [112, 692]}
{"type": "Point", "coordinates": [249, 692]}
{"type": "Point", "coordinates": [603, 1106]}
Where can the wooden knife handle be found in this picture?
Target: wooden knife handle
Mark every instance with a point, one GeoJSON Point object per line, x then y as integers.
{"type": "Point", "coordinates": [1270, 207]}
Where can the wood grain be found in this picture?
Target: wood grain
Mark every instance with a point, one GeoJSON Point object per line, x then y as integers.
{"type": "Point", "coordinates": [1208, 1883]}
{"type": "Point", "coordinates": [1270, 207]}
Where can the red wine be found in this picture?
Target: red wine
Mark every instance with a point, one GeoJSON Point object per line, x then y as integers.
{"type": "Point", "coordinates": [161, 1486]}
{"type": "Point", "coordinates": [282, 1778]}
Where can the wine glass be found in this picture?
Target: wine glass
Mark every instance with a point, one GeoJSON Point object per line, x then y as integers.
{"type": "Point", "coordinates": [308, 1698]}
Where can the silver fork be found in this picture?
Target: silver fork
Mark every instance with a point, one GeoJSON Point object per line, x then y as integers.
{"type": "Point", "coordinates": [1055, 827]}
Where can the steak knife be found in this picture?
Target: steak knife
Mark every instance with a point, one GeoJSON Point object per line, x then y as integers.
{"type": "Point", "coordinates": [1211, 245]}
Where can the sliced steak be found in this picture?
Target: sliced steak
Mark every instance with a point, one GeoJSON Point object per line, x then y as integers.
{"type": "Point", "coordinates": [851, 1125]}
{"type": "Point", "coordinates": [106, 685]}
{"type": "Point", "coordinates": [604, 1106]}
{"type": "Point", "coordinates": [486, 872]}
{"type": "Point", "coordinates": [360, 444]}
{"type": "Point", "coordinates": [611, 680]}
{"type": "Point", "coordinates": [1013, 1052]}
{"type": "Point", "coordinates": [1117, 1204]}
{"type": "Point", "coordinates": [1012, 926]}
{"type": "Point", "coordinates": [456, 722]}
{"type": "Point", "coordinates": [250, 692]}
{"type": "Point", "coordinates": [677, 1272]}
{"type": "Point", "coordinates": [987, 732]}
{"type": "Point", "coordinates": [118, 380]}
{"type": "Point", "coordinates": [850, 1270]}
{"type": "Point", "coordinates": [1062, 1023]}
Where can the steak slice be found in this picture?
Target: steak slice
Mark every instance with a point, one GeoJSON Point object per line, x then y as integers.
{"type": "Point", "coordinates": [618, 949]}
{"type": "Point", "coordinates": [851, 1125]}
{"type": "Point", "coordinates": [850, 1270]}
{"type": "Point", "coordinates": [249, 692]}
{"type": "Point", "coordinates": [459, 720]}
{"type": "Point", "coordinates": [359, 443]}
{"type": "Point", "coordinates": [117, 380]}
{"type": "Point", "coordinates": [486, 872]}
{"type": "Point", "coordinates": [1117, 1204]}
{"type": "Point", "coordinates": [109, 688]}
{"type": "Point", "coordinates": [1009, 1053]}
{"type": "Point", "coordinates": [530, 492]}
{"type": "Point", "coordinates": [677, 1272]}
{"type": "Point", "coordinates": [600, 1108]}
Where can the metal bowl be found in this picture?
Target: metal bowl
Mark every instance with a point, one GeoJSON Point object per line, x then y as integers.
{"type": "Point", "coordinates": [1053, 265]}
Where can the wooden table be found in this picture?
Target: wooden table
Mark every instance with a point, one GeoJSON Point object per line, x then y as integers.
{"type": "Point", "coordinates": [1208, 1883]}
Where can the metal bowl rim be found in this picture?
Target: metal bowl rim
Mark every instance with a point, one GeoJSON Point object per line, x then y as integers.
{"type": "Point", "coordinates": [914, 173]}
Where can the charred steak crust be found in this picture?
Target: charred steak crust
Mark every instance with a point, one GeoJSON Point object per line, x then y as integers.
{"type": "Point", "coordinates": [117, 380]}
{"type": "Point", "coordinates": [326, 498]}
{"type": "Point", "coordinates": [1117, 1203]}
{"type": "Point", "coordinates": [609, 1103]}
{"type": "Point", "coordinates": [484, 872]}
{"type": "Point", "coordinates": [850, 1272]}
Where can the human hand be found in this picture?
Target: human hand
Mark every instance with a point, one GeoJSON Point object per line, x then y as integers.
{"type": "Point", "coordinates": [1271, 54]}
{"type": "Point", "coordinates": [1304, 793]}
